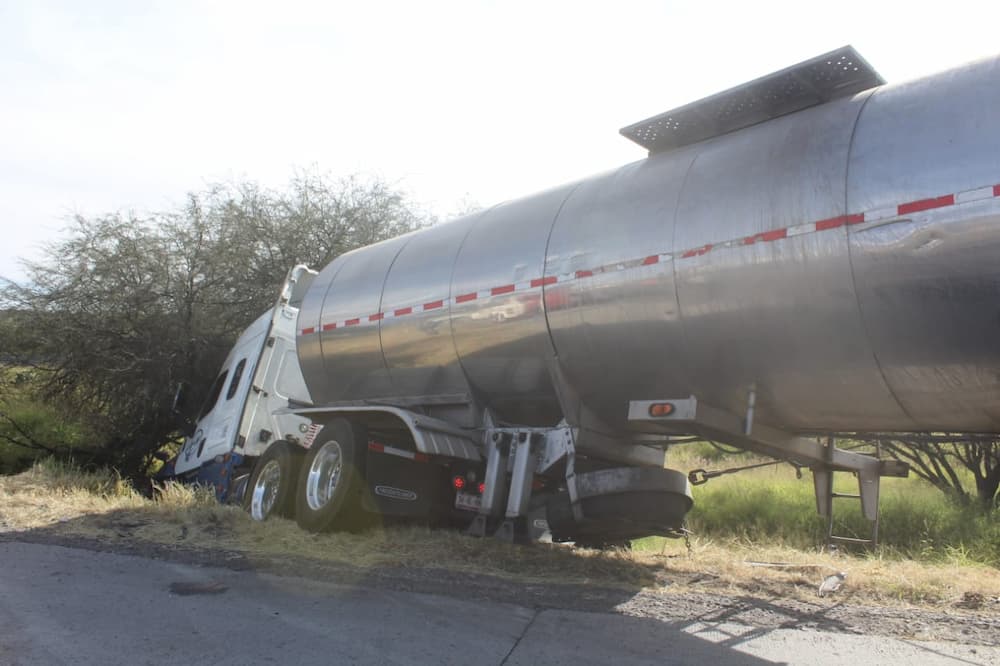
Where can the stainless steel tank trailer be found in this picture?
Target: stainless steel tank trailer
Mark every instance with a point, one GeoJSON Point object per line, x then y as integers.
{"type": "Point", "coordinates": [810, 253]}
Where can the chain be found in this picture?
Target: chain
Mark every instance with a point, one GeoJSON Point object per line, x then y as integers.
{"type": "Point", "coordinates": [696, 477]}
{"type": "Point", "coordinates": [682, 532]}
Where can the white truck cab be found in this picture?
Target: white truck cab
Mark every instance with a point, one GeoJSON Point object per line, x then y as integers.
{"type": "Point", "coordinates": [240, 417]}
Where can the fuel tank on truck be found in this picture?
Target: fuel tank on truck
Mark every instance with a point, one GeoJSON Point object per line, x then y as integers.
{"type": "Point", "coordinates": [826, 239]}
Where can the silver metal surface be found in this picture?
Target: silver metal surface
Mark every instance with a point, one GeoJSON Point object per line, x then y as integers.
{"type": "Point", "coordinates": [265, 490]}
{"type": "Point", "coordinates": [495, 489]}
{"type": "Point", "coordinates": [430, 435]}
{"type": "Point", "coordinates": [418, 348]}
{"type": "Point", "coordinates": [324, 475]}
{"type": "Point", "coordinates": [928, 283]}
{"type": "Point", "coordinates": [618, 334]}
{"type": "Point", "coordinates": [889, 325]}
{"type": "Point", "coordinates": [631, 480]}
{"type": "Point", "coordinates": [502, 340]}
{"type": "Point", "coordinates": [558, 443]}
{"type": "Point", "coordinates": [783, 314]}
{"type": "Point", "coordinates": [352, 353]}
{"type": "Point", "coordinates": [525, 455]}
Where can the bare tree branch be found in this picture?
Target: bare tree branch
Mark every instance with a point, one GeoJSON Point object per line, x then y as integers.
{"type": "Point", "coordinates": [125, 305]}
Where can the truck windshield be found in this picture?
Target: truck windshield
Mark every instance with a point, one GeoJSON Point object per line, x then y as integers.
{"type": "Point", "coordinates": [213, 395]}
{"type": "Point", "coordinates": [235, 383]}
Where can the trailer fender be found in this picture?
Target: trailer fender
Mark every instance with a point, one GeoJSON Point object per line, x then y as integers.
{"type": "Point", "coordinates": [430, 436]}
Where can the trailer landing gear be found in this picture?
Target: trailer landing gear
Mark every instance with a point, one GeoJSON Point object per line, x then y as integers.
{"type": "Point", "coordinates": [601, 506]}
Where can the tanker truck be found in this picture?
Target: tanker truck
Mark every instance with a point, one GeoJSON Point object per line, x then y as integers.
{"type": "Point", "coordinates": [809, 254]}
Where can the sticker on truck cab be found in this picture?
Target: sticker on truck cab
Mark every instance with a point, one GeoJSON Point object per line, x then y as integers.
{"type": "Point", "coordinates": [311, 433]}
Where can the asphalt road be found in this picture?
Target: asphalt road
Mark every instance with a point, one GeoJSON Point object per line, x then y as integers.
{"type": "Point", "coordinates": [69, 606]}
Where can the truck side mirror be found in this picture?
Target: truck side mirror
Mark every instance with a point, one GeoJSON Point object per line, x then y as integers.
{"type": "Point", "coordinates": [181, 396]}
{"type": "Point", "coordinates": [179, 408]}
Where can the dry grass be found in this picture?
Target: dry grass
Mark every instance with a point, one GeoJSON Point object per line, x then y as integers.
{"type": "Point", "coordinates": [100, 506]}
{"type": "Point", "coordinates": [62, 500]}
{"type": "Point", "coordinates": [740, 568]}
{"type": "Point", "coordinates": [51, 493]}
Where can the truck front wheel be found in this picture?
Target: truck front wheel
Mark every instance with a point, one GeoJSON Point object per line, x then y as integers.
{"type": "Point", "coordinates": [273, 482]}
{"type": "Point", "coordinates": [331, 481]}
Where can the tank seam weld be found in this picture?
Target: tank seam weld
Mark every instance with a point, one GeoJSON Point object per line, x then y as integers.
{"type": "Point", "coordinates": [875, 215]}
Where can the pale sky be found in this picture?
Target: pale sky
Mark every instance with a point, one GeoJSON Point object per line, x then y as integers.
{"type": "Point", "coordinates": [122, 104]}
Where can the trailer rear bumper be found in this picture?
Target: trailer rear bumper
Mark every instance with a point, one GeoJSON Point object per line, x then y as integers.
{"type": "Point", "coordinates": [620, 504]}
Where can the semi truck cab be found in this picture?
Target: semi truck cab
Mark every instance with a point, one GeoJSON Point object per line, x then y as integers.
{"type": "Point", "coordinates": [240, 417]}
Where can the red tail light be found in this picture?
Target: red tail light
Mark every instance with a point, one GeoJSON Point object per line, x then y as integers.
{"type": "Point", "coordinates": [458, 482]}
{"type": "Point", "coordinates": [661, 409]}
{"type": "Point", "coordinates": [482, 487]}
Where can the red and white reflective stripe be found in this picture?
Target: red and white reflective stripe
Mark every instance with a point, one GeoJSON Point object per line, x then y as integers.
{"type": "Point", "coordinates": [402, 453]}
{"type": "Point", "coordinates": [978, 194]}
{"type": "Point", "coordinates": [770, 236]}
{"type": "Point", "coordinates": [310, 434]}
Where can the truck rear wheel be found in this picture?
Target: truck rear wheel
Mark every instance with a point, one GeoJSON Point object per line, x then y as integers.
{"type": "Point", "coordinates": [330, 484]}
{"type": "Point", "coordinates": [273, 482]}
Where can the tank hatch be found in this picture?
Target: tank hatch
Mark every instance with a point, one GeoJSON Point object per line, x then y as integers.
{"type": "Point", "coordinates": [839, 73]}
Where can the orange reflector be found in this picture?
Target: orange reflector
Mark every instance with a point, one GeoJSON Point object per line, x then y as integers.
{"type": "Point", "coordinates": [661, 409]}
{"type": "Point", "coordinates": [458, 482]}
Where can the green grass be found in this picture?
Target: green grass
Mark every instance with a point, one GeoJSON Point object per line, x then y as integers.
{"type": "Point", "coordinates": [772, 506]}
{"type": "Point", "coordinates": [37, 421]}
{"type": "Point", "coordinates": [43, 424]}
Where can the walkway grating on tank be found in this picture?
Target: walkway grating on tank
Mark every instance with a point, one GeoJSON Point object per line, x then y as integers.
{"type": "Point", "coordinates": [839, 73]}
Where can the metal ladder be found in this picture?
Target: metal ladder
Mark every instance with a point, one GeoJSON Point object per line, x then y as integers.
{"type": "Point", "coordinates": [829, 495]}
{"type": "Point", "coordinates": [688, 416]}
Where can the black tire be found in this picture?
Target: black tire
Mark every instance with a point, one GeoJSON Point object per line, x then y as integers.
{"type": "Point", "coordinates": [322, 504]}
{"type": "Point", "coordinates": [282, 462]}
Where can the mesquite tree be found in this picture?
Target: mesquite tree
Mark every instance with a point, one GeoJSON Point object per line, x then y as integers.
{"type": "Point", "coordinates": [948, 461]}
{"type": "Point", "coordinates": [124, 306]}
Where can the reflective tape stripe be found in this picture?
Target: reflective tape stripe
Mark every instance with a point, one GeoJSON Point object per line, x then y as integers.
{"type": "Point", "coordinates": [505, 289]}
{"type": "Point", "coordinates": [769, 236]}
{"type": "Point", "coordinates": [401, 453]}
{"type": "Point", "coordinates": [977, 194]}
{"type": "Point", "coordinates": [926, 204]}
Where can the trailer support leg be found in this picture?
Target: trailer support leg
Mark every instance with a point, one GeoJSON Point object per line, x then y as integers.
{"type": "Point", "coordinates": [498, 447]}
{"type": "Point", "coordinates": [687, 416]}
{"type": "Point", "coordinates": [524, 451]}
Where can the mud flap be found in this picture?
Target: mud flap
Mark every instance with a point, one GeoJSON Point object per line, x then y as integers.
{"type": "Point", "coordinates": [401, 487]}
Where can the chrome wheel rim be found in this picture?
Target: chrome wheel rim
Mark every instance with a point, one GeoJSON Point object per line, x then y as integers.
{"type": "Point", "coordinates": [265, 490]}
{"type": "Point", "coordinates": [324, 475]}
